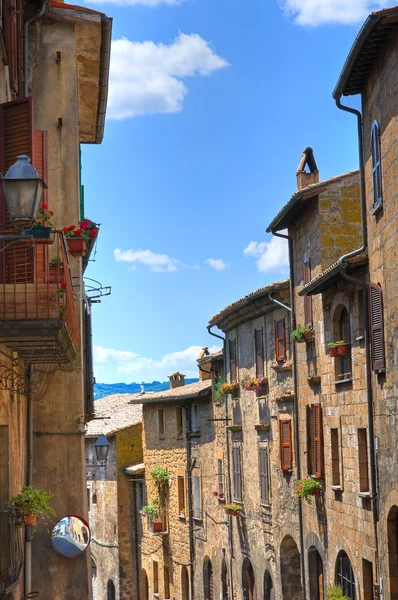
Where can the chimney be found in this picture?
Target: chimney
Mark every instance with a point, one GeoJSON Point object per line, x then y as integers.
{"type": "Point", "coordinates": [204, 364]}
{"type": "Point", "coordinates": [176, 380]}
{"type": "Point", "coordinates": [306, 178]}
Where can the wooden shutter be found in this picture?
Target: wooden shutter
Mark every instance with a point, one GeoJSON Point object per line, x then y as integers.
{"type": "Point", "coordinates": [376, 164]}
{"type": "Point", "coordinates": [264, 477]}
{"type": "Point", "coordinates": [376, 323]}
{"type": "Point", "coordinates": [318, 450]}
{"type": "Point", "coordinates": [259, 350]}
{"type": "Point", "coordinates": [307, 299]}
{"type": "Point", "coordinates": [16, 137]}
{"type": "Point", "coordinates": [280, 339]}
{"type": "Point", "coordinates": [286, 445]}
{"type": "Point", "coordinates": [236, 466]}
{"type": "Point", "coordinates": [232, 360]}
{"type": "Point", "coordinates": [310, 445]}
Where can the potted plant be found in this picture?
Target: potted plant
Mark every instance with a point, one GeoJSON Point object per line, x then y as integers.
{"type": "Point", "coordinates": [342, 347]}
{"type": "Point", "coordinates": [151, 510]}
{"type": "Point", "coordinates": [334, 592]}
{"type": "Point", "coordinates": [160, 475]}
{"type": "Point", "coordinates": [31, 504]}
{"type": "Point", "coordinates": [42, 227]}
{"type": "Point", "coordinates": [222, 389]}
{"type": "Point", "coordinates": [233, 509]}
{"type": "Point", "coordinates": [255, 384]}
{"type": "Point", "coordinates": [306, 488]}
{"type": "Point", "coordinates": [79, 237]}
{"type": "Point", "coordinates": [221, 495]}
{"type": "Point", "coordinates": [302, 334]}
{"type": "Point", "coordinates": [56, 269]}
{"type": "Point", "coordinates": [332, 348]}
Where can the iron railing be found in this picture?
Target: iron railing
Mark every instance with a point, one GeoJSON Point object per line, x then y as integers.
{"type": "Point", "coordinates": [11, 552]}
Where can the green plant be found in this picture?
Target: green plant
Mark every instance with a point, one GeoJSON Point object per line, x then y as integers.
{"type": "Point", "coordinates": [299, 334]}
{"type": "Point", "coordinates": [151, 510]}
{"type": "Point", "coordinates": [334, 592]}
{"type": "Point", "coordinates": [341, 343]}
{"type": "Point", "coordinates": [306, 488]}
{"type": "Point", "coordinates": [31, 501]}
{"type": "Point", "coordinates": [222, 389]}
{"type": "Point", "coordinates": [332, 345]}
{"type": "Point", "coordinates": [180, 431]}
{"type": "Point", "coordinates": [255, 384]}
{"type": "Point", "coordinates": [86, 230]}
{"type": "Point", "coordinates": [56, 262]}
{"type": "Point", "coordinates": [44, 218]}
{"type": "Point", "coordinates": [160, 475]}
{"type": "Point", "coordinates": [233, 509]}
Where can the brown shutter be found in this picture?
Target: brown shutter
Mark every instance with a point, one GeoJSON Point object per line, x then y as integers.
{"type": "Point", "coordinates": [16, 137]}
{"type": "Point", "coordinates": [280, 339]}
{"type": "Point", "coordinates": [286, 445]}
{"type": "Point", "coordinates": [13, 42]}
{"type": "Point", "coordinates": [232, 360]}
{"type": "Point", "coordinates": [264, 478]}
{"type": "Point", "coordinates": [236, 466]}
{"type": "Point", "coordinates": [307, 299]}
{"type": "Point", "coordinates": [317, 440]}
{"type": "Point", "coordinates": [310, 446]}
{"type": "Point", "coordinates": [376, 327]}
{"type": "Point", "coordinates": [259, 350]}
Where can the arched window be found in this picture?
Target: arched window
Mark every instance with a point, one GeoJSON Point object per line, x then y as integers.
{"type": "Point", "coordinates": [184, 583]}
{"type": "Point", "coordinates": [208, 583]}
{"type": "Point", "coordinates": [110, 589]}
{"type": "Point", "coordinates": [345, 575]}
{"type": "Point", "coordinates": [248, 581]}
{"type": "Point", "coordinates": [376, 166]}
{"type": "Point", "coordinates": [269, 593]}
{"type": "Point", "coordinates": [144, 588]}
{"type": "Point", "coordinates": [224, 579]}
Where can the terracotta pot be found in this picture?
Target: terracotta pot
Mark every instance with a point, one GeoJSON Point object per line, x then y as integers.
{"type": "Point", "coordinates": [77, 246]}
{"type": "Point", "coordinates": [316, 492]}
{"type": "Point", "coordinates": [308, 335]}
{"type": "Point", "coordinates": [30, 520]}
{"type": "Point", "coordinates": [157, 526]}
{"type": "Point", "coordinates": [342, 349]}
{"type": "Point", "coordinates": [333, 351]}
{"type": "Point", "coordinates": [56, 274]}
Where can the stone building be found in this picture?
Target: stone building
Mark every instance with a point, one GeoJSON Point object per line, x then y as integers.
{"type": "Point", "coordinates": [50, 104]}
{"type": "Point", "coordinates": [114, 497]}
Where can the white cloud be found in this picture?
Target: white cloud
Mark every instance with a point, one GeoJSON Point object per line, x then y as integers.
{"type": "Point", "coordinates": [319, 12]}
{"type": "Point", "coordinates": [270, 256]}
{"type": "Point", "coordinates": [154, 261]}
{"type": "Point", "coordinates": [217, 263]}
{"type": "Point", "coordinates": [146, 78]}
{"type": "Point", "coordinates": [131, 366]}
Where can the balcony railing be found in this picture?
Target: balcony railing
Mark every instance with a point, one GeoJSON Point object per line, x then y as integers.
{"type": "Point", "coordinates": [11, 554]}
{"type": "Point", "coordinates": [37, 312]}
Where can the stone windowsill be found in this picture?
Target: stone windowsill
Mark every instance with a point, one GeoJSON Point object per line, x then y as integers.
{"type": "Point", "coordinates": [282, 365]}
{"type": "Point", "coordinates": [262, 426]}
{"type": "Point", "coordinates": [336, 488]}
{"type": "Point", "coordinates": [363, 494]}
{"type": "Point", "coordinates": [340, 381]}
{"type": "Point", "coordinates": [235, 427]}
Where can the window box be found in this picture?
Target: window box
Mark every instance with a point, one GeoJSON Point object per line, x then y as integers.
{"type": "Point", "coordinates": [77, 247]}
{"type": "Point", "coordinates": [157, 526]}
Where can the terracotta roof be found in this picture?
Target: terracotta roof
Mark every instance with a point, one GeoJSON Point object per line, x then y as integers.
{"type": "Point", "coordinates": [300, 199]}
{"type": "Point", "coordinates": [247, 299]}
{"type": "Point", "coordinates": [365, 51]}
{"type": "Point", "coordinates": [332, 274]}
{"type": "Point", "coordinates": [117, 413]}
{"type": "Point", "coordinates": [192, 390]}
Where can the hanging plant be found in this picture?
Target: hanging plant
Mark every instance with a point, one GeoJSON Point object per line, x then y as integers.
{"type": "Point", "coordinates": [306, 488]}
{"type": "Point", "coordinates": [302, 334]}
{"type": "Point", "coordinates": [160, 475]}
{"type": "Point", "coordinates": [233, 509]}
{"type": "Point", "coordinates": [332, 348]}
{"type": "Point", "coordinates": [255, 384]}
{"type": "Point", "coordinates": [342, 347]}
{"type": "Point", "coordinates": [222, 389]}
{"type": "Point", "coordinates": [151, 510]}
{"type": "Point", "coordinates": [31, 504]}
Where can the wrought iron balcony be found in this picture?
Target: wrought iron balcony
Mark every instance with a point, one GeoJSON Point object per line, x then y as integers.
{"type": "Point", "coordinates": [11, 554]}
{"type": "Point", "coordinates": [37, 312]}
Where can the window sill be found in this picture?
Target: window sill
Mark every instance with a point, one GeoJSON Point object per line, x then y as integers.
{"type": "Point", "coordinates": [363, 494]}
{"type": "Point", "coordinates": [282, 365]}
{"type": "Point", "coordinates": [340, 381]}
{"type": "Point", "coordinates": [377, 208]}
{"type": "Point", "coordinates": [262, 426]}
{"type": "Point", "coordinates": [336, 488]}
{"type": "Point", "coordinates": [265, 506]}
{"type": "Point", "coordinates": [235, 427]}
{"type": "Point", "coordinates": [182, 517]}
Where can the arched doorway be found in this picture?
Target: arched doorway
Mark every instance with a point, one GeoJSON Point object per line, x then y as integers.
{"type": "Point", "coordinates": [144, 591]}
{"type": "Point", "coordinates": [208, 582]}
{"type": "Point", "coordinates": [315, 571]}
{"type": "Point", "coordinates": [184, 583]}
{"type": "Point", "coordinates": [290, 569]}
{"type": "Point", "coordinates": [94, 578]}
{"type": "Point", "coordinates": [392, 530]}
{"type": "Point", "coordinates": [110, 590]}
{"type": "Point", "coordinates": [224, 579]}
{"type": "Point", "coordinates": [345, 575]}
{"type": "Point", "coordinates": [248, 581]}
{"type": "Point", "coordinates": [269, 592]}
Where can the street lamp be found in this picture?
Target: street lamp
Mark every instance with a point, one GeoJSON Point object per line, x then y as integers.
{"type": "Point", "coordinates": [23, 190]}
{"type": "Point", "coordinates": [101, 449]}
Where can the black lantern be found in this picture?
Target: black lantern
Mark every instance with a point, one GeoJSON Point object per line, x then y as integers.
{"type": "Point", "coordinates": [23, 189]}
{"type": "Point", "coordinates": [101, 449]}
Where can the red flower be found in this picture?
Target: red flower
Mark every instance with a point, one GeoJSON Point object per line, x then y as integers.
{"type": "Point", "coordinates": [65, 229]}
{"type": "Point", "coordinates": [84, 224]}
{"type": "Point", "coordinates": [50, 281]}
{"type": "Point", "coordinates": [50, 212]}
{"type": "Point", "coordinates": [62, 284]}
{"type": "Point", "coordinates": [93, 232]}
{"type": "Point", "coordinates": [78, 232]}
{"type": "Point", "coordinates": [43, 205]}
{"type": "Point", "coordinates": [72, 227]}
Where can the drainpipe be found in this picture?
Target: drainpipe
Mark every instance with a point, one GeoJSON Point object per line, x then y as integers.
{"type": "Point", "coordinates": [295, 404]}
{"type": "Point", "coordinates": [41, 12]}
{"type": "Point", "coordinates": [137, 562]}
{"type": "Point", "coordinates": [228, 460]}
{"type": "Point", "coordinates": [29, 479]}
{"type": "Point", "coordinates": [190, 507]}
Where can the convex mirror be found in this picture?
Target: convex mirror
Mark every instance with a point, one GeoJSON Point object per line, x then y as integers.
{"type": "Point", "coordinates": [70, 536]}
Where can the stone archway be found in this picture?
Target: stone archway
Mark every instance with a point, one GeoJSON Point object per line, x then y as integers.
{"type": "Point", "coordinates": [315, 571]}
{"type": "Point", "coordinates": [269, 592]}
{"type": "Point", "coordinates": [392, 532]}
{"type": "Point", "coordinates": [248, 581]}
{"type": "Point", "coordinates": [208, 580]}
{"type": "Point", "coordinates": [184, 583]}
{"type": "Point", "coordinates": [144, 588]}
{"type": "Point", "coordinates": [290, 569]}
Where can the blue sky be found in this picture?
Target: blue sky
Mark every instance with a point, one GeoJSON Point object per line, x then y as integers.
{"type": "Point", "coordinates": [211, 105]}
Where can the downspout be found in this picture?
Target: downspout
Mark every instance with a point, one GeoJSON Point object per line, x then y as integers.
{"type": "Point", "coordinates": [228, 460]}
{"type": "Point", "coordinates": [137, 562]}
{"type": "Point", "coordinates": [29, 479]}
{"type": "Point", "coordinates": [41, 12]}
{"type": "Point", "coordinates": [190, 507]}
{"type": "Point", "coordinates": [295, 403]}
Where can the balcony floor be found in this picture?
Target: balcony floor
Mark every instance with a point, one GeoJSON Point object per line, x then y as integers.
{"type": "Point", "coordinates": [39, 340]}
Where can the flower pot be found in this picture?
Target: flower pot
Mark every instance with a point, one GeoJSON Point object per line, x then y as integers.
{"type": "Point", "coordinates": [316, 492]}
{"type": "Point", "coordinates": [333, 351]}
{"type": "Point", "coordinates": [56, 274]}
{"type": "Point", "coordinates": [157, 526]}
{"type": "Point", "coordinates": [342, 349]}
{"type": "Point", "coordinates": [77, 246]}
{"type": "Point", "coordinates": [30, 520]}
{"type": "Point", "coordinates": [308, 335]}
{"type": "Point", "coordinates": [39, 232]}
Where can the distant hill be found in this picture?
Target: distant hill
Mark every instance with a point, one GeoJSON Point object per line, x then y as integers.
{"type": "Point", "coordinates": [107, 389]}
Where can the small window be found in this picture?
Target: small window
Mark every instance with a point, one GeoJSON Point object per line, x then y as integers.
{"type": "Point", "coordinates": [232, 361]}
{"type": "Point", "coordinates": [345, 575]}
{"type": "Point", "coordinates": [180, 422]}
{"type": "Point", "coordinates": [376, 328]}
{"type": "Point", "coordinates": [197, 494]}
{"type": "Point", "coordinates": [367, 571]}
{"type": "Point", "coordinates": [195, 419]}
{"type": "Point", "coordinates": [343, 362]}
{"type": "Point", "coordinates": [88, 498]}
{"type": "Point", "coordinates": [181, 495]}
{"type": "Point", "coordinates": [264, 475]}
{"type": "Point", "coordinates": [280, 340]}
{"type": "Point", "coordinates": [155, 568]}
{"type": "Point", "coordinates": [161, 427]}
{"type": "Point", "coordinates": [363, 461]}
{"type": "Point", "coordinates": [259, 351]}
{"type": "Point", "coordinates": [140, 491]}
{"type": "Point", "coordinates": [220, 476]}
{"type": "Point", "coordinates": [166, 581]}
{"type": "Point", "coordinates": [94, 498]}
{"type": "Point", "coordinates": [376, 166]}
{"type": "Point", "coordinates": [286, 445]}
{"type": "Point", "coordinates": [237, 473]}
{"type": "Point", "coordinates": [307, 299]}
{"type": "Point", "coordinates": [335, 448]}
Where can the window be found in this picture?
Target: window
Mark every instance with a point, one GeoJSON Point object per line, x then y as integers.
{"type": "Point", "coordinates": [237, 473]}
{"type": "Point", "coordinates": [345, 575]}
{"type": "Point", "coordinates": [197, 494]}
{"type": "Point", "coordinates": [376, 166]}
{"type": "Point", "coordinates": [220, 476]}
{"type": "Point", "coordinates": [376, 327]}
{"type": "Point", "coordinates": [161, 423]}
{"type": "Point", "coordinates": [280, 339]}
{"type": "Point", "coordinates": [232, 360]}
{"type": "Point", "coordinates": [111, 594]}
{"type": "Point", "coordinates": [363, 461]}
{"type": "Point", "coordinates": [179, 422]}
{"type": "Point", "coordinates": [155, 568]}
{"type": "Point", "coordinates": [344, 361]}
{"type": "Point", "coordinates": [140, 491]}
{"type": "Point", "coordinates": [367, 573]}
{"type": "Point", "coordinates": [94, 498]}
{"type": "Point", "coordinates": [307, 299]}
{"type": "Point", "coordinates": [314, 440]}
{"type": "Point", "coordinates": [286, 445]}
{"type": "Point", "coordinates": [335, 447]}
{"type": "Point", "coordinates": [259, 350]}
{"type": "Point", "coordinates": [166, 581]}
{"type": "Point", "coordinates": [195, 419]}
{"type": "Point", "coordinates": [88, 498]}
{"type": "Point", "coordinates": [264, 475]}
{"type": "Point", "coordinates": [181, 495]}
